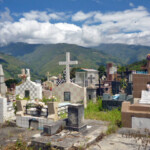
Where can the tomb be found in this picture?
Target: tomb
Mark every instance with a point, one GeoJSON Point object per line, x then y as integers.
{"type": "Point", "coordinates": [135, 115]}
{"type": "Point", "coordinates": [75, 120]}
{"type": "Point", "coordinates": [6, 109]}
{"type": "Point", "coordinates": [68, 91]}
{"type": "Point", "coordinates": [29, 89]}
{"type": "Point", "coordinates": [3, 88]}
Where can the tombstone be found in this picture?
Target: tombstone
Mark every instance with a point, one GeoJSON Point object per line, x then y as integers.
{"type": "Point", "coordinates": [21, 104]}
{"type": "Point", "coordinates": [75, 120]}
{"type": "Point", "coordinates": [107, 96]}
{"type": "Point", "coordinates": [123, 97]}
{"type": "Point", "coordinates": [145, 97]}
{"type": "Point", "coordinates": [53, 110]}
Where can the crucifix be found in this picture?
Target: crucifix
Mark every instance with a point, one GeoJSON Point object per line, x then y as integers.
{"type": "Point", "coordinates": [91, 79]}
{"type": "Point", "coordinates": [68, 62]}
{"type": "Point", "coordinates": [23, 75]}
{"type": "Point", "coordinates": [48, 76]}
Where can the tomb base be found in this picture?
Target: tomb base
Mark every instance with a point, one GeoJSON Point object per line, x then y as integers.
{"type": "Point", "coordinates": [78, 129]}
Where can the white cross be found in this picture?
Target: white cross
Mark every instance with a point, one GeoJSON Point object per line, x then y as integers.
{"type": "Point", "coordinates": [67, 63]}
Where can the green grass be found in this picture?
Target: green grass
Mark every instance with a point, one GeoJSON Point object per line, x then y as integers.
{"type": "Point", "coordinates": [95, 111]}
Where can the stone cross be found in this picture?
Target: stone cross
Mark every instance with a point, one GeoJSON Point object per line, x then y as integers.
{"type": "Point", "coordinates": [48, 76]}
{"type": "Point", "coordinates": [91, 78]}
{"type": "Point", "coordinates": [28, 74]}
{"type": "Point", "coordinates": [22, 75]}
{"type": "Point", "coordinates": [67, 63]}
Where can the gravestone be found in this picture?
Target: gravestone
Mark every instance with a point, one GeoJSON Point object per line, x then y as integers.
{"type": "Point", "coordinates": [123, 97]}
{"type": "Point", "coordinates": [107, 96]}
{"type": "Point", "coordinates": [53, 110]}
{"type": "Point", "coordinates": [145, 97]}
{"type": "Point", "coordinates": [75, 120]}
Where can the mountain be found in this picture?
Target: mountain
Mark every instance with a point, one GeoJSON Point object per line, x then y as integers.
{"type": "Point", "coordinates": [46, 57]}
{"type": "Point", "coordinates": [127, 53]}
{"type": "Point", "coordinates": [11, 65]}
{"type": "Point", "coordinates": [41, 58]}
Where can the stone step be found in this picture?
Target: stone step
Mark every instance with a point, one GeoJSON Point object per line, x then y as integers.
{"type": "Point", "coordinates": [140, 107]}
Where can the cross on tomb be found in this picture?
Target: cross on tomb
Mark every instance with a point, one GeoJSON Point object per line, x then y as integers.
{"type": "Point", "coordinates": [68, 63]}
{"type": "Point", "coordinates": [48, 76]}
{"type": "Point", "coordinates": [23, 75]}
{"type": "Point", "coordinates": [91, 79]}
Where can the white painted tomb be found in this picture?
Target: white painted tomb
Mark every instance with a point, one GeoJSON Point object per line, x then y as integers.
{"type": "Point", "coordinates": [29, 88]}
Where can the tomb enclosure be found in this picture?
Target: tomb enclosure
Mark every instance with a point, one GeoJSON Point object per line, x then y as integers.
{"type": "Point", "coordinates": [69, 91]}
{"type": "Point", "coordinates": [29, 89]}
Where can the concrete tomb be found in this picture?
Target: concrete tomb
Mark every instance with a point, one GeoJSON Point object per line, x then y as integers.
{"type": "Point", "coordinates": [75, 117]}
{"type": "Point", "coordinates": [29, 89]}
{"type": "Point", "coordinates": [69, 91]}
{"type": "Point", "coordinates": [135, 115]}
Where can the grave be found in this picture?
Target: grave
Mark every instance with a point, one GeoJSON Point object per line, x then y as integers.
{"type": "Point", "coordinates": [29, 89]}
{"type": "Point", "coordinates": [68, 91]}
{"type": "Point", "coordinates": [110, 102]}
{"type": "Point", "coordinates": [75, 120]}
{"type": "Point", "coordinates": [135, 115]}
{"type": "Point", "coordinates": [3, 88]}
{"type": "Point", "coordinates": [72, 132]}
{"type": "Point", "coordinates": [6, 109]}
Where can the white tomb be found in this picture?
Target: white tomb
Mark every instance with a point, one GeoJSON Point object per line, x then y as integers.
{"type": "Point", "coordinates": [6, 110]}
{"type": "Point", "coordinates": [29, 88]}
{"type": "Point", "coordinates": [70, 92]}
{"type": "Point", "coordinates": [145, 97]}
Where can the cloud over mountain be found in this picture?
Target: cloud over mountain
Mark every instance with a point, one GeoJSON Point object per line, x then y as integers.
{"type": "Point", "coordinates": [87, 29]}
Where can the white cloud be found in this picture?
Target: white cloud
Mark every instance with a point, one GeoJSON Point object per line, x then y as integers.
{"type": "Point", "coordinates": [5, 16]}
{"type": "Point", "coordinates": [131, 4]}
{"type": "Point", "coordinates": [44, 16]}
{"type": "Point", "coordinates": [129, 26]}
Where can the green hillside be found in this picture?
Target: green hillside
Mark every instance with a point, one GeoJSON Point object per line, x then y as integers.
{"type": "Point", "coordinates": [12, 66]}
{"type": "Point", "coordinates": [137, 65]}
{"type": "Point", "coordinates": [41, 58]}
{"type": "Point", "coordinates": [127, 53]}
{"type": "Point", "coordinates": [46, 57]}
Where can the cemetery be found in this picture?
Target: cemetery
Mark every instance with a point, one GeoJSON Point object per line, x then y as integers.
{"type": "Point", "coordinates": [77, 113]}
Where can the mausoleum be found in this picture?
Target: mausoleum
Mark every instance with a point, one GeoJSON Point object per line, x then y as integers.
{"type": "Point", "coordinates": [29, 88]}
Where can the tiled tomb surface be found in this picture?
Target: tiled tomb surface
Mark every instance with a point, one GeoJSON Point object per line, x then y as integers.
{"type": "Point", "coordinates": [26, 121]}
{"type": "Point", "coordinates": [67, 139]}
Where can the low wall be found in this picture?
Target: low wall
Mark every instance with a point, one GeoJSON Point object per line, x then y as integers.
{"type": "Point", "coordinates": [131, 112]}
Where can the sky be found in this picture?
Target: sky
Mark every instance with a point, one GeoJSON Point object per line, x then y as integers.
{"type": "Point", "coordinates": [83, 22]}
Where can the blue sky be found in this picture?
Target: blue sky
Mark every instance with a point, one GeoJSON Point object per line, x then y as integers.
{"type": "Point", "coordinates": [82, 22]}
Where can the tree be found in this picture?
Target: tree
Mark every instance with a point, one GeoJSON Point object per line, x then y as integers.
{"type": "Point", "coordinates": [102, 71]}
{"type": "Point", "coordinates": [73, 71]}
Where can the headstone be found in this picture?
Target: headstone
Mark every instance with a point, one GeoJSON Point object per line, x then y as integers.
{"type": "Point", "coordinates": [107, 96]}
{"type": "Point", "coordinates": [68, 63]}
{"type": "Point", "coordinates": [123, 97]}
{"type": "Point", "coordinates": [145, 97]}
{"type": "Point", "coordinates": [21, 104]}
{"type": "Point", "coordinates": [76, 118]}
{"type": "Point", "coordinates": [53, 110]}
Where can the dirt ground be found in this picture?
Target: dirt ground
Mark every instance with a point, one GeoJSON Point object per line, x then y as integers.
{"type": "Point", "coordinates": [9, 133]}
